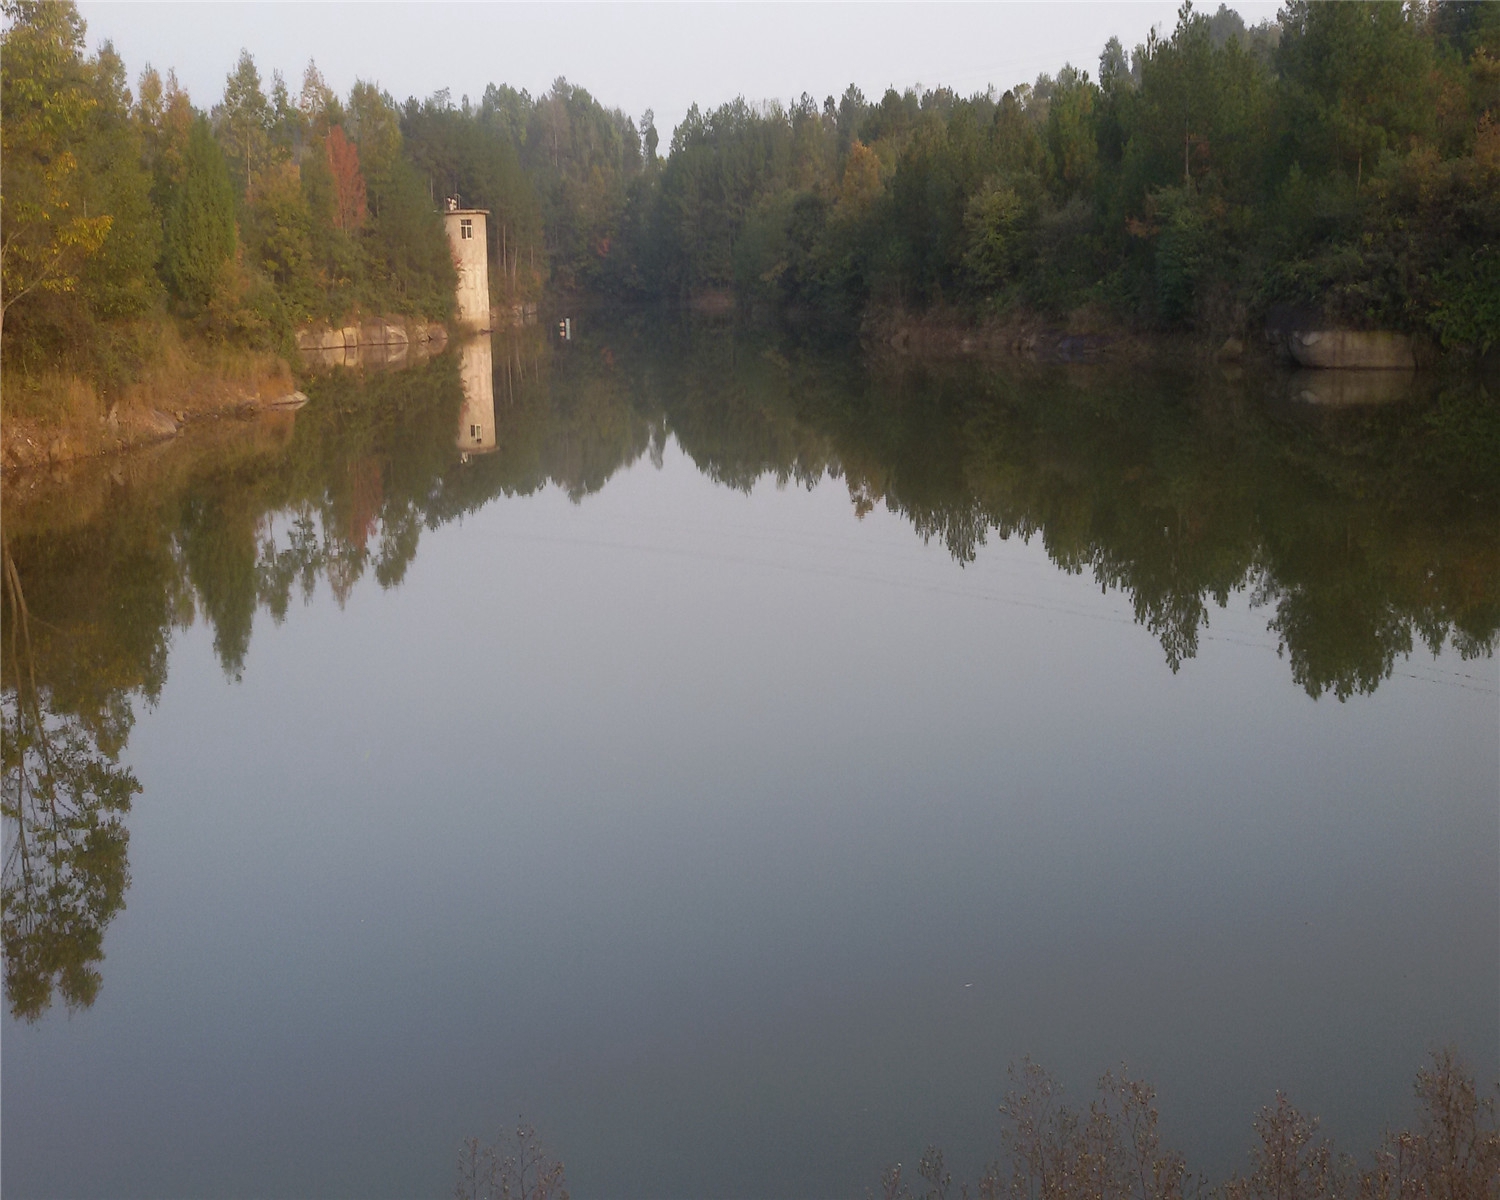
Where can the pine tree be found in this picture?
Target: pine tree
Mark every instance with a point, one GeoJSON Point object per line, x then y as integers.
{"type": "Point", "coordinates": [242, 121]}
{"type": "Point", "coordinates": [199, 236]}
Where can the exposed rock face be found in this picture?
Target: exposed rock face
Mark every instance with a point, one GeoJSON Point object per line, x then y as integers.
{"type": "Point", "coordinates": [1285, 321]}
{"type": "Point", "coordinates": [320, 339]}
{"type": "Point", "coordinates": [330, 358]}
{"type": "Point", "coordinates": [381, 343]}
{"type": "Point", "coordinates": [1347, 349]}
{"type": "Point", "coordinates": [158, 424]}
{"type": "Point", "coordinates": [381, 333]}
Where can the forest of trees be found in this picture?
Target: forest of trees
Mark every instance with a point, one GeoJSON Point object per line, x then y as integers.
{"type": "Point", "coordinates": [1344, 159]}
{"type": "Point", "coordinates": [125, 209]}
{"type": "Point", "coordinates": [274, 207]}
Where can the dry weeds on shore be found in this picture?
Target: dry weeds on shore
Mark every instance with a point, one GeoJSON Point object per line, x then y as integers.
{"type": "Point", "coordinates": [58, 416]}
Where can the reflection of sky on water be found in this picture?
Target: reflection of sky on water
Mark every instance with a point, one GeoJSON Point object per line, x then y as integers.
{"type": "Point", "coordinates": [682, 818]}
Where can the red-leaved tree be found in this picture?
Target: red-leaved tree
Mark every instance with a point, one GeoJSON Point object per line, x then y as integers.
{"type": "Point", "coordinates": [348, 183]}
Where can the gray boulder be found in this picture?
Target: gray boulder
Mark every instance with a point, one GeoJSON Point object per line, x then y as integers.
{"type": "Point", "coordinates": [1348, 349]}
{"type": "Point", "coordinates": [320, 339]}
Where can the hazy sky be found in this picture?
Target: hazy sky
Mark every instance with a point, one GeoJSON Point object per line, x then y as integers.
{"type": "Point", "coordinates": [634, 56]}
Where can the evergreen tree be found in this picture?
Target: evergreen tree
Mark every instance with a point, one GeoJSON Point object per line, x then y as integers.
{"type": "Point", "coordinates": [279, 231]}
{"type": "Point", "coordinates": [120, 280]}
{"type": "Point", "coordinates": [164, 116]}
{"type": "Point", "coordinates": [242, 122]}
{"type": "Point", "coordinates": [199, 237]}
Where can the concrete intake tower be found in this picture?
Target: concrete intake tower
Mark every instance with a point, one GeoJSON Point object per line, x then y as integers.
{"type": "Point", "coordinates": [469, 239]}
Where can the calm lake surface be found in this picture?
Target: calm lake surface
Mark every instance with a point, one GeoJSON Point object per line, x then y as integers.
{"type": "Point", "coordinates": [731, 755]}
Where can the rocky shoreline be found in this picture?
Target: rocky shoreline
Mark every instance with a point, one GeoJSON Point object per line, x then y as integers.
{"type": "Point", "coordinates": [948, 333]}
{"type": "Point", "coordinates": [1087, 337]}
{"type": "Point", "coordinates": [30, 444]}
{"type": "Point", "coordinates": [384, 339]}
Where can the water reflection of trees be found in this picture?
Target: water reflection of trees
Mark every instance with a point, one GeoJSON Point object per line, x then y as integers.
{"type": "Point", "coordinates": [1364, 534]}
{"type": "Point", "coordinates": [99, 573]}
{"type": "Point", "coordinates": [1361, 534]}
{"type": "Point", "coordinates": [62, 795]}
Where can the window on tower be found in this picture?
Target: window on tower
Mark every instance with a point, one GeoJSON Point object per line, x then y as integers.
{"type": "Point", "coordinates": [465, 227]}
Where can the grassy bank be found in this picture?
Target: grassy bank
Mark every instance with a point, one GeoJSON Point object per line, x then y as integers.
{"type": "Point", "coordinates": [161, 379]}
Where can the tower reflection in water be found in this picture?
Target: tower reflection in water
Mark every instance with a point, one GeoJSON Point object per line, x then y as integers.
{"type": "Point", "coordinates": [476, 420]}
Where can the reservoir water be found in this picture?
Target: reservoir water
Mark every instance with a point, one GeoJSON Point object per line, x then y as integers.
{"type": "Point", "coordinates": [730, 755]}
